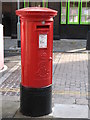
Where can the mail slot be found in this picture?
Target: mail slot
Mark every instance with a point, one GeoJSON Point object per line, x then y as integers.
{"type": "Point", "coordinates": [42, 26]}
{"type": "Point", "coordinates": [36, 60]}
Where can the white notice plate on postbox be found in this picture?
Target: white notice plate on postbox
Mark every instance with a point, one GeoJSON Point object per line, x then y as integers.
{"type": "Point", "coordinates": [42, 40]}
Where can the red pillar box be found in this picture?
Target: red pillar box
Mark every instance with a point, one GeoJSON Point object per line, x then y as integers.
{"type": "Point", "coordinates": [36, 60]}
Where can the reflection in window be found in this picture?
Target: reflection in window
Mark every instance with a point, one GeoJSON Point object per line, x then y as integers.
{"type": "Point", "coordinates": [35, 4]}
{"type": "Point", "coordinates": [73, 12]}
{"type": "Point", "coordinates": [63, 12]}
{"type": "Point", "coordinates": [85, 12]}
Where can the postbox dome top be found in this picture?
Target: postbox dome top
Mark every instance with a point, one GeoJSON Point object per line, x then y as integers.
{"type": "Point", "coordinates": [36, 11]}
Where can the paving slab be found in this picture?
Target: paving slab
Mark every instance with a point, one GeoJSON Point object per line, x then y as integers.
{"type": "Point", "coordinates": [69, 45]}
{"type": "Point", "coordinates": [8, 43]}
{"type": "Point", "coordinates": [0, 105]}
{"type": "Point", "coordinates": [62, 45]}
{"type": "Point", "coordinates": [3, 71]}
{"type": "Point", "coordinates": [20, 115]}
{"type": "Point", "coordinates": [70, 111]}
{"type": "Point", "coordinates": [62, 111]}
{"type": "Point", "coordinates": [9, 106]}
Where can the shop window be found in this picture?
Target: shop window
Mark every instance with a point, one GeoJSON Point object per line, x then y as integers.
{"type": "Point", "coordinates": [63, 12]}
{"type": "Point", "coordinates": [85, 12]}
{"type": "Point", "coordinates": [73, 11]}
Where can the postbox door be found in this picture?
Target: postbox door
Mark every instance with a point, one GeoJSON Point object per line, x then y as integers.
{"type": "Point", "coordinates": [43, 74]}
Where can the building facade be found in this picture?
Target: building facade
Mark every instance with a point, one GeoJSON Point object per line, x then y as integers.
{"type": "Point", "coordinates": [72, 21]}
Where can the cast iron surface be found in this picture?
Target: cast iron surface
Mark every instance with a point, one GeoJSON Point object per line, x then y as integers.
{"type": "Point", "coordinates": [35, 102]}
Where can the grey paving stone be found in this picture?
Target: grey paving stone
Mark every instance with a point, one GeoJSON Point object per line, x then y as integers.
{"type": "Point", "coordinates": [70, 111]}
{"type": "Point", "coordinates": [71, 75]}
{"type": "Point", "coordinates": [9, 108]}
{"type": "Point", "coordinates": [68, 45]}
{"type": "Point", "coordinates": [81, 101]}
{"type": "Point", "coordinates": [20, 115]}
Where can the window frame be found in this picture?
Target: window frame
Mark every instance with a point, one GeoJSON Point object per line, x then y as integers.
{"type": "Point", "coordinates": [85, 22]}
{"type": "Point", "coordinates": [61, 13]}
{"type": "Point", "coordinates": [45, 4]}
{"type": "Point", "coordinates": [68, 22]}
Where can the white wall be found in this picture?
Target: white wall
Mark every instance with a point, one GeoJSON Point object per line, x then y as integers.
{"type": "Point", "coordinates": [1, 48]}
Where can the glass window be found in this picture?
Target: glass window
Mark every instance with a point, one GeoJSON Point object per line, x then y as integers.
{"type": "Point", "coordinates": [35, 4]}
{"type": "Point", "coordinates": [73, 11]}
{"type": "Point", "coordinates": [85, 12]}
{"type": "Point", "coordinates": [63, 12]}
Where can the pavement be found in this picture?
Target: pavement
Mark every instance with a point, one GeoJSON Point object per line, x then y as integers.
{"type": "Point", "coordinates": [70, 81]}
{"type": "Point", "coordinates": [70, 45]}
{"type": "Point", "coordinates": [62, 45]}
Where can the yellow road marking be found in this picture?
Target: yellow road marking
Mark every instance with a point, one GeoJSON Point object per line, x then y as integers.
{"type": "Point", "coordinates": [54, 92]}
{"type": "Point", "coordinates": [9, 90]}
{"type": "Point", "coordinates": [71, 93]}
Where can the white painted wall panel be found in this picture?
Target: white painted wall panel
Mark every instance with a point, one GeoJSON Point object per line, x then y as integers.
{"type": "Point", "coordinates": [1, 47]}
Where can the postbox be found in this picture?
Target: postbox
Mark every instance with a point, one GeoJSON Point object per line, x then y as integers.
{"type": "Point", "coordinates": [36, 60]}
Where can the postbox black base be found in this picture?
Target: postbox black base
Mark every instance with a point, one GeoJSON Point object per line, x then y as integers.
{"type": "Point", "coordinates": [35, 102]}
